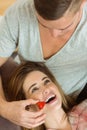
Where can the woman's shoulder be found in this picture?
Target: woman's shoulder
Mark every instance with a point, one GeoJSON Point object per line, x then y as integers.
{"type": "Point", "coordinates": [79, 109]}
{"type": "Point", "coordinates": [80, 106]}
{"type": "Point", "coordinates": [78, 116]}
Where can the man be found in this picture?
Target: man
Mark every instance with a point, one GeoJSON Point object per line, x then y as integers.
{"type": "Point", "coordinates": [53, 32]}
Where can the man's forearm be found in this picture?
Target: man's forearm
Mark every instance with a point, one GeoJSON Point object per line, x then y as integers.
{"type": "Point", "coordinates": [2, 97]}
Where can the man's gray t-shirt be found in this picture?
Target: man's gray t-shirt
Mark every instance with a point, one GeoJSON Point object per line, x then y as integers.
{"type": "Point", "coordinates": [19, 28]}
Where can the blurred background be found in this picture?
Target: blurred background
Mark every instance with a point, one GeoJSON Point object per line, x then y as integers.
{"type": "Point", "coordinates": [4, 4]}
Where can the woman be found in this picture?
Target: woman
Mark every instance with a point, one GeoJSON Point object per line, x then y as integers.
{"type": "Point", "coordinates": [33, 80]}
{"type": "Point", "coordinates": [50, 31]}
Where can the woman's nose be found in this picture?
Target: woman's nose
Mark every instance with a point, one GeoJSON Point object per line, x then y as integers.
{"type": "Point", "coordinates": [45, 90]}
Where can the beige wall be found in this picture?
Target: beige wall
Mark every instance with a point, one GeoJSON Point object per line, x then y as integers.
{"type": "Point", "coordinates": [4, 4]}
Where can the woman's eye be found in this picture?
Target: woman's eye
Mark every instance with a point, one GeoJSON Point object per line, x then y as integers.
{"type": "Point", "coordinates": [34, 89]}
{"type": "Point", "coordinates": [47, 81]}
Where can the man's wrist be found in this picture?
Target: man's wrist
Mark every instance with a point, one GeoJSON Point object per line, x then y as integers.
{"type": "Point", "coordinates": [3, 103]}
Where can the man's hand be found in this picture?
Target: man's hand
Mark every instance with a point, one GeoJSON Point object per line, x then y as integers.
{"type": "Point", "coordinates": [15, 112]}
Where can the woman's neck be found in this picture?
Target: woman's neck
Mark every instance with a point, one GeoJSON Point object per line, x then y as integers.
{"type": "Point", "coordinates": [58, 121]}
{"type": "Point", "coordinates": [66, 127]}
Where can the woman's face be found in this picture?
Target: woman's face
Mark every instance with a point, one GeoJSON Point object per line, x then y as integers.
{"type": "Point", "coordinates": [39, 86]}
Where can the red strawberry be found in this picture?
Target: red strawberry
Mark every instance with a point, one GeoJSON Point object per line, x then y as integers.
{"type": "Point", "coordinates": [40, 104]}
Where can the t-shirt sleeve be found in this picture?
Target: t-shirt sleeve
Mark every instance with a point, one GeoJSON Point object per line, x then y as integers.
{"type": "Point", "coordinates": [8, 32]}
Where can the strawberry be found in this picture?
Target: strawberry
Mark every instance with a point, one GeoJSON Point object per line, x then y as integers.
{"type": "Point", "coordinates": [41, 104]}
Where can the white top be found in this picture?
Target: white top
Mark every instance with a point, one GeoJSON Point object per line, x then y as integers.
{"type": "Point", "coordinates": [19, 27]}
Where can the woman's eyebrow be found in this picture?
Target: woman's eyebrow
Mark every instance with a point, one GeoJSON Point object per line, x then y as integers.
{"type": "Point", "coordinates": [31, 86]}
{"type": "Point", "coordinates": [44, 78]}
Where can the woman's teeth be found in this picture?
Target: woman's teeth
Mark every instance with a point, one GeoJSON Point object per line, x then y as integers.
{"type": "Point", "coordinates": [51, 98]}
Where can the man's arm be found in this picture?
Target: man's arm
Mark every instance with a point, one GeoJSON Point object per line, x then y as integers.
{"type": "Point", "coordinates": [15, 111]}
{"type": "Point", "coordinates": [1, 92]}
{"type": "Point", "coordinates": [2, 96]}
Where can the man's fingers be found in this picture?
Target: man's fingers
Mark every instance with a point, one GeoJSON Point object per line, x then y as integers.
{"type": "Point", "coordinates": [33, 123]}
{"type": "Point", "coordinates": [20, 116]}
{"type": "Point", "coordinates": [32, 114]}
{"type": "Point", "coordinates": [31, 101]}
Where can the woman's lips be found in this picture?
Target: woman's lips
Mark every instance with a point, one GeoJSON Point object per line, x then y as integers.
{"type": "Point", "coordinates": [50, 99]}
